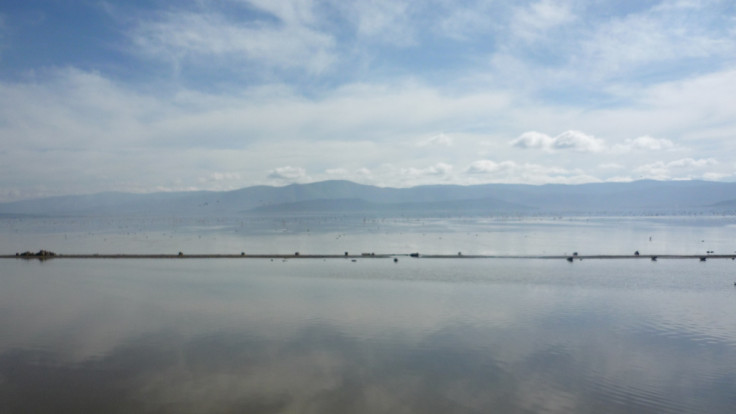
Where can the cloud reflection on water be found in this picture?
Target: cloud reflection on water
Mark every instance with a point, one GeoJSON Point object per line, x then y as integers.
{"type": "Point", "coordinates": [206, 336]}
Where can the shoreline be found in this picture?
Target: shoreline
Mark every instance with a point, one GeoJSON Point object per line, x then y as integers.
{"type": "Point", "coordinates": [370, 256]}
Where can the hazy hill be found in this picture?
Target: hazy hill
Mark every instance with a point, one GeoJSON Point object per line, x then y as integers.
{"type": "Point", "coordinates": [345, 196]}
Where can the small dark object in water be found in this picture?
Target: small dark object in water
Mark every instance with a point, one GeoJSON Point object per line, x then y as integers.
{"type": "Point", "coordinates": [346, 253]}
{"type": "Point", "coordinates": [353, 260]}
{"type": "Point", "coordinates": [702, 259]}
{"type": "Point", "coordinates": [574, 253]}
{"type": "Point", "coordinates": [181, 254]}
{"type": "Point", "coordinates": [242, 253]}
{"type": "Point", "coordinates": [296, 253]}
{"type": "Point", "coordinates": [40, 255]}
{"type": "Point", "coordinates": [396, 260]}
{"type": "Point", "coordinates": [654, 258]}
{"type": "Point", "coordinates": [569, 259]}
{"type": "Point", "coordinates": [414, 255]}
{"type": "Point", "coordinates": [636, 253]}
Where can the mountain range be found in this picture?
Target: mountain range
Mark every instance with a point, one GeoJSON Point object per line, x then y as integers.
{"type": "Point", "coordinates": [336, 197]}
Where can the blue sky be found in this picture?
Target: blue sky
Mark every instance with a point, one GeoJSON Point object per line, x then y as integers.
{"type": "Point", "coordinates": [148, 96]}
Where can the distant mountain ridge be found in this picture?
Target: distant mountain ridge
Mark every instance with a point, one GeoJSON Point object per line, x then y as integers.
{"type": "Point", "coordinates": [355, 205]}
{"type": "Point", "coordinates": [349, 197]}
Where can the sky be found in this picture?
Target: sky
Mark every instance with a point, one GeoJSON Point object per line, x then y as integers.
{"type": "Point", "coordinates": [145, 96]}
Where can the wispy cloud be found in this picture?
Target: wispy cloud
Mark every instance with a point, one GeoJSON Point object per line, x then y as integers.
{"type": "Point", "coordinates": [532, 21]}
{"type": "Point", "coordinates": [629, 43]}
{"type": "Point", "coordinates": [437, 170]}
{"type": "Point", "coordinates": [511, 171]}
{"type": "Point", "coordinates": [243, 92]}
{"type": "Point", "coordinates": [436, 140]}
{"type": "Point", "coordinates": [683, 168]}
{"type": "Point", "coordinates": [196, 38]}
{"type": "Point", "coordinates": [288, 174]}
{"type": "Point", "coordinates": [646, 143]}
{"type": "Point", "coordinates": [568, 140]}
{"type": "Point", "coordinates": [387, 21]}
{"type": "Point", "coordinates": [464, 23]}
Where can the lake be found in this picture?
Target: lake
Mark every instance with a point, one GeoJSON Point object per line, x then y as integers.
{"type": "Point", "coordinates": [336, 336]}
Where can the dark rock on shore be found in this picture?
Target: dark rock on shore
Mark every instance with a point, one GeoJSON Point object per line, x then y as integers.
{"type": "Point", "coordinates": [40, 253]}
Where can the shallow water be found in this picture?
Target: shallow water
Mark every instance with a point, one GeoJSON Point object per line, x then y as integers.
{"type": "Point", "coordinates": [421, 335]}
{"type": "Point", "coordinates": [335, 235]}
{"type": "Point", "coordinates": [336, 336]}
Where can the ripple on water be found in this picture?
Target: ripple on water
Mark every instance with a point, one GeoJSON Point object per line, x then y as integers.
{"type": "Point", "coordinates": [635, 398]}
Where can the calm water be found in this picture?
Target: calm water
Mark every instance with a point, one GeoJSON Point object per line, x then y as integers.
{"type": "Point", "coordinates": [335, 336]}
{"type": "Point", "coordinates": [356, 234]}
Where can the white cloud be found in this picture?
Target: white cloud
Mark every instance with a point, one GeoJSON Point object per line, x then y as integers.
{"type": "Point", "coordinates": [670, 34]}
{"type": "Point", "coordinates": [288, 173]}
{"type": "Point", "coordinates": [220, 176]}
{"type": "Point", "coordinates": [529, 173]}
{"type": "Point", "coordinates": [288, 11]}
{"type": "Point", "coordinates": [568, 140]}
{"type": "Point", "coordinates": [581, 142]}
{"type": "Point", "coordinates": [489, 167]}
{"type": "Point", "coordinates": [679, 5]}
{"type": "Point", "coordinates": [208, 38]}
{"type": "Point", "coordinates": [685, 168]}
{"type": "Point", "coordinates": [436, 140]}
{"type": "Point", "coordinates": [59, 127]}
{"type": "Point", "coordinates": [216, 181]}
{"type": "Point", "coordinates": [533, 139]}
{"type": "Point", "coordinates": [578, 141]}
{"type": "Point", "coordinates": [611, 166]}
{"type": "Point", "coordinates": [465, 23]}
{"type": "Point", "coordinates": [715, 176]}
{"type": "Point", "coordinates": [437, 170]}
{"type": "Point", "coordinates": [73, 110]}
{"type": "Point", "coordinates": [337, 171]}
{"type": "Point", "coordinates": [691, 163]}
{"type": "Point", "coordinates": [619, 179]}
{"type": "Point", "coordinates": [648, 143]}
{"type": "Point", "coordinates": [531, 22]}
{"type": "Point", "coordinates": [387, 21]}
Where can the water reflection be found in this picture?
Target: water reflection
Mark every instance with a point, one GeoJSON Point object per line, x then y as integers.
{"type": "Point", "coordinates": [305, 336]}
{"type": "Point", "coordinates": [334, 235]}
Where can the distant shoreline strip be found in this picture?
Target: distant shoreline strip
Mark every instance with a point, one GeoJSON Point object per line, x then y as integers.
{"type": "Point", "coordinates": [367, 256]}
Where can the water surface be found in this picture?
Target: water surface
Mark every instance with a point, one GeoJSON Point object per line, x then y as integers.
{"type": "Point", "coordinates": [335, 336]}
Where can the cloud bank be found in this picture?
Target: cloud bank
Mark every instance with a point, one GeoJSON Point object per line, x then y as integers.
{"type": "Point", "coordinates": [221, 95]}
